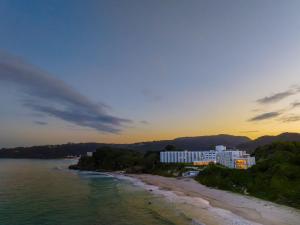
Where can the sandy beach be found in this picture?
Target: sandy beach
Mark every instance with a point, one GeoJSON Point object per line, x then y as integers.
{"type": "Point", "coordinates": [213, 207]}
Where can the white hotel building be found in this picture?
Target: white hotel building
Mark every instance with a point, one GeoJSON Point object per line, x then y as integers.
{"type": "Point", "coordinates": [229, 158]}
{"type": "Point", "coordinates": [235, 159]}
{"type": "Point", "coordinates": [187, 156]}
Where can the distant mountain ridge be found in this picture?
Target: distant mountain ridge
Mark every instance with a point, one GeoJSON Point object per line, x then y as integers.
{"type": "Point", "coordinates": [267, 139]}
{"type": "Point", "coordinates": [189, 143]}
{"type": "Point", "coordinates": [193, 143]}
{"type": "Point", "coordinates": [49, 151]}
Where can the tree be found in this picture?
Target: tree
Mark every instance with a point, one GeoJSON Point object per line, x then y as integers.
{"type": "Point", "coordinates": [170, 147]}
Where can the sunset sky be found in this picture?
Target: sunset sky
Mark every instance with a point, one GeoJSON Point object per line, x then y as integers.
{"type": "Point", "coordinates": [129, 71]}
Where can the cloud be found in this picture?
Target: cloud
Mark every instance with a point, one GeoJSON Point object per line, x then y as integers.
{"type": "Point", "coordinates": [144, 122]}
{"type": "Point", "coordinates": [151, 95]}
{"type": "Point", "coordinates": [265, 116]}
{"type": "Point", "coordinates": [279, 96]}
{"type": "Point", "coordinates": [40, 123]}
{"type": "Point", "coordinates": [290, 118]}
{"type": "Point", "coordinates": [53, 97]}
{"type": "Point", "coordinates": [249, 131]}
{"type": "Point", "coordinates": [295, 104]}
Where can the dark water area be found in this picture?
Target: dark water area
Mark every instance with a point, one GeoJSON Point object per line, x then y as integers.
{"type": "Point", "coordinates": [45, 192]}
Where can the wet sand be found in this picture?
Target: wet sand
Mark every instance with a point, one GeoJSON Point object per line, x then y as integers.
{"type": "Point", "coordinates": [212, 206]}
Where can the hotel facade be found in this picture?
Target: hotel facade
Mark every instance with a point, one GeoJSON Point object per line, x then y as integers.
{"type": "Point", "coordinates": [229, 158]}
{"type": "Point", "coordinates": [187, 156]}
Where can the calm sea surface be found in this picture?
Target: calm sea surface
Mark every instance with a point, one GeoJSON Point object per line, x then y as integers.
{"type": "Point", "coordinates": [45, 192]}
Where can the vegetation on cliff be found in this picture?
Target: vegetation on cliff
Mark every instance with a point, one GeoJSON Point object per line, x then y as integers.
{"type": "Point", "coordinates": [130, 161]}
{"type": "Point", "coordinates": [275, 177]}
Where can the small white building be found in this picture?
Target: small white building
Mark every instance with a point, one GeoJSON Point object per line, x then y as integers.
{"type": "Point", "coordinates": [220, 148]}
{"type": "Point", "coordinates": [191, 173]}
{"type": "Point", "coordinates": [90, 154]}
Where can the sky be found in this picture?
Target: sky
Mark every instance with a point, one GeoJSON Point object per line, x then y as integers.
{"type": "Point", "coordinates": [136, 70]}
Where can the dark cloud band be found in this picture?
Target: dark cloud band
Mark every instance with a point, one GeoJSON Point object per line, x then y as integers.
{"type": "Point", "coordinates": [265, 116]}
{"type": "Point", "coordinates": [290, 118]}
{"type": "Point", "coordinates": [279, 96]}
{"type": "Point", "coordinates": [40, 123]}
{"type": "Point", "coordinates": [53, 97]}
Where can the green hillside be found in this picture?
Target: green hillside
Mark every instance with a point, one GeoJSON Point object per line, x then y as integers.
{"type": "Point", "coordinates": [129, 161]}
{"type": "Point", "coordinates": [275, 177]}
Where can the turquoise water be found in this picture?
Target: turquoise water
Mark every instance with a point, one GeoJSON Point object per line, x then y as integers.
{"type": "Point", "coordinates": [45, 192]}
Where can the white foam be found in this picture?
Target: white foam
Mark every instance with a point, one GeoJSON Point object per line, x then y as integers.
{"type": "Point", "coordinates": [197, 203]}
{"type": "Point", "coordinates": [93, 174]}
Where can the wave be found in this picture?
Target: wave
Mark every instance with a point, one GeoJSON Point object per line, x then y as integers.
{"type": "Point", "coordinates": [93, 174]}
{"type": "Point", "coordinates": [191, 207]}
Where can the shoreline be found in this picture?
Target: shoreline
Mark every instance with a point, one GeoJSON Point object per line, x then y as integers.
{"type": "Point", "coordinates": [213, 206]}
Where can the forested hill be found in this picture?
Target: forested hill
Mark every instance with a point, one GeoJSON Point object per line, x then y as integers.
{"type": "Point", "coordinates": [49, 151]}
{"type": "Point", "coordinates": [193, 143]}
{"type": "Point", "coordinates": [250, 146]}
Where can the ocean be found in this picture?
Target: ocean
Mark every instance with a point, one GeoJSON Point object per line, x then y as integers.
{"type": "Point", "coordinates": [46, 192]}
